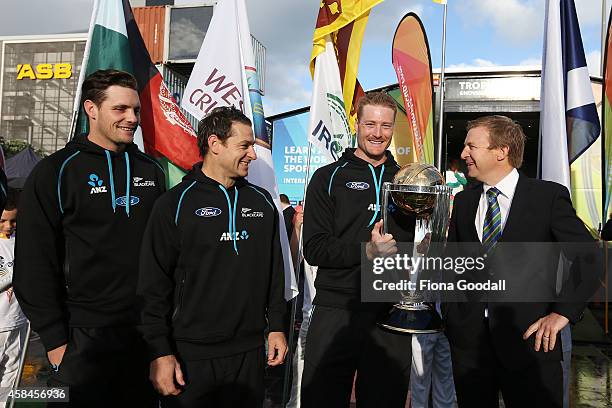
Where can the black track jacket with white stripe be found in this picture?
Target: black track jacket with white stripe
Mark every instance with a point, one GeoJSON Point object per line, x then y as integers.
{"type": "Point", "coordinates": [343, 202]}
{"type": "Point", "coordinates": [211, 271]}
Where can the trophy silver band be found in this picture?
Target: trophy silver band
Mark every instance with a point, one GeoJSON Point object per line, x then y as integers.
{"type": "Point", "coordinates": [419, 190]}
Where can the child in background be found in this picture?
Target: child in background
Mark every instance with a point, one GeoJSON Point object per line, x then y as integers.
{"type": "Point", "coordinates": [13, 323]}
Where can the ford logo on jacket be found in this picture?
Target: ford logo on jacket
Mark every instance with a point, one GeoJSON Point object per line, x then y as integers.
{"type": "Point", "coordinates": [208, 212]}
{"type": "Point", "coordinates": [358, 185]}
{"type": "Point", "coordinates": [121, 201]}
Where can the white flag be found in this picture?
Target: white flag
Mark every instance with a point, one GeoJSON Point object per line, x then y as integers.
{"type": "Point", "coordinates": [329, 130]}
{"type": "Point", "coordinates": [225, 75]}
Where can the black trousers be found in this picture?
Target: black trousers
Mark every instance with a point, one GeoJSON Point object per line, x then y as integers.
{"type": "Point", "coordinates": [105, 367]}
{"type": "Point", "coordinates": [343, 342]}
{"type": "Point", "coordinates": [478, 380]}
{"type": "Point", "coordinates": [230, 382]}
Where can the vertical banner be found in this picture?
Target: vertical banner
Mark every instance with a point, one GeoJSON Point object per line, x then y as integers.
{"type": "Point", "coordinates": [225, 75]}
{"type": "Point", "coordinates": [606, 111]}
{"type": "Point", "coordinates": [412, 64]}
{"type": "Point", "coordinates": [329, 129]}
{"type": "Point", "coordinates": [569, 123]}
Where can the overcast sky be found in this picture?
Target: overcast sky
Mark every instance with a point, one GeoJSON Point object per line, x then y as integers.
{"type": "Point", "coordinates": [480, 33]}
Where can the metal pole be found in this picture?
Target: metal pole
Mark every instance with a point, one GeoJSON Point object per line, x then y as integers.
{"type": "Point", "coordinates": [73, 123]}
{"type": "Point", "coordinates": [606, 283]}
{"type": "Point", "coordinates": [441, 92]}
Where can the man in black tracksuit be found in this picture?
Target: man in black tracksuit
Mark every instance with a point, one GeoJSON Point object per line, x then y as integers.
{"type": "Point", "coordinates": [81, 217]}
{"type": "Point", "coordinates": [211, 276]}
{"type": "Point", "coordinates": [342, 211]}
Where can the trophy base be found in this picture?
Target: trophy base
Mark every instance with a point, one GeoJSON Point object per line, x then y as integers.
{"type": "Point", "coordinates": [414, 318]}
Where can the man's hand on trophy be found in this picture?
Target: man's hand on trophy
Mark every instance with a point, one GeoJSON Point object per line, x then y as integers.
{"type": "Point", "coordinates": [380, 244]}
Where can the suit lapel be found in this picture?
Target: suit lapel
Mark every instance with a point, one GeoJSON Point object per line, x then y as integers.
{"type": "Point", "coordinates": [518, 207]}
{"type": "Point", "coordinates": [472, 209]}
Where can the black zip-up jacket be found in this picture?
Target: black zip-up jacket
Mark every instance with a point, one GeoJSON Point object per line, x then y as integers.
{"type": "Point", "coordinates": [343, 202]}
{"type": "Point", "coordinates": [81, 217]}
{"type": "Point", "coordinates": [211, 269]}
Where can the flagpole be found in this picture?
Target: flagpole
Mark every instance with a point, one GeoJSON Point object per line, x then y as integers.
{"type": "Point", "coordinates": [441, 92]}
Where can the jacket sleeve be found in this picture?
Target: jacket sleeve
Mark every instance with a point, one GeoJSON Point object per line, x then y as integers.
{"type": "Point", "coordinates": [321, 247]}
{"type": "Point", "coordinates": [583, 282]}
{"type": "Point", "coordinates": [156, 282]}
{"type": "Point", "coordinates": [39, 281]}
{"type": "Point", "coordinates": [277, 307]}
{"type": "Point", "coordinates": [606, 232]}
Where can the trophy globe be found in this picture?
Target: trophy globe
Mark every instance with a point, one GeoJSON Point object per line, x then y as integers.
{"type": "Point", "coordinates": [418, 189]}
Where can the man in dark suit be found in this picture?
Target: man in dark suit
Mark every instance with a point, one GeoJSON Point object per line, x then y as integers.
{"type": "Point", "coordinates": [510, 347]}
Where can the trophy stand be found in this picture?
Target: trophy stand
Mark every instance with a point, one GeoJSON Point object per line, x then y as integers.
{"type": "Point", "coordinates": [429, 204]}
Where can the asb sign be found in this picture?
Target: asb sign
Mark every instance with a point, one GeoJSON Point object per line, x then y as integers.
{"type": "Point", "coordinates": [44, 71]}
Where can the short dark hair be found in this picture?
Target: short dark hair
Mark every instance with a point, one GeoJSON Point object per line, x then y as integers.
{"type": "Point", "coordinates": [219, 123]}
{"type": "Point", "coordinates": [503, 132]}
{"type": "Point", "coordinates": [284, 199]}
{"type": "Point", "coordinates": [12, 199]}
{"type": "Point", "coordinates": [95, 85]}
{"type": "Point", "coordinates": [378, 98]}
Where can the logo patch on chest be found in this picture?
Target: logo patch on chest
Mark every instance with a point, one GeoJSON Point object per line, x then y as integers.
{"type": "Point", "coordinates": [208, 212]}
{"type": "Point", "coordinates": [358, 185]}
{"type": "Point", "coordinates": [97, 184]}
{"type": "Point", "coordinates": [249, 213]}
{"type": "Point", "coordinates": [238, 235]}
{"type": "Point", "coordinates": [140, 182]}
{"type": "Point", "coordinates": [122, 201]}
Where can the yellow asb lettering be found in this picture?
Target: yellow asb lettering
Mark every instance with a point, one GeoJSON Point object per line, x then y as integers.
{"type": "Point", "coordinates": [44, 71]}
{"type": "Point", "coordinates": [63, 71]}
{"type": "Point", "coordinates": [25, 71]}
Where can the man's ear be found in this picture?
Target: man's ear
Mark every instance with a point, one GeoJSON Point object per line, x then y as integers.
{"type": "Point", "coordinates": [90, 109]}
{"type": "Point", "coordinates": [504, 151]}
{"type": "Point", "coordinates": [214, 143]}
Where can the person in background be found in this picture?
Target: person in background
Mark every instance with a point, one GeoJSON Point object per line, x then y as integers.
{"type": "Point", "coordinates": [288, 214]}
{"type": "Point", "coordinates": [13, 323]}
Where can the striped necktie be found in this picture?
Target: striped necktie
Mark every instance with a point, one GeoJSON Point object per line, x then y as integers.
{"type": "Point", "coordinates": [492, 229]}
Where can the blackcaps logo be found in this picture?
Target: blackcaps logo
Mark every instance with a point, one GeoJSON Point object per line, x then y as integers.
{"type": "Point", "coordinates": [121, 201]}
{"type": "Point", "coordinates": [96, 184]}
{"type": "Point", "coordinates": [249, 213]}
{"type": "Point", "coordinates": [140, 182]}
{"type": "Point", "coordinates": [207, 212]}
{"type": "Point", "coordinates": [358, 185]}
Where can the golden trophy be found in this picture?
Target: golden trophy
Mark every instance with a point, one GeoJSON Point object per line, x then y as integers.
{"type": "Point", "coordinates": [419, 190]}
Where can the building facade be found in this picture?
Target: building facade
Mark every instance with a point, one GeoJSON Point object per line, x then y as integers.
{"type": "Point", "coordinates": [39, 74]}
{"type": "Point", "coordinates": [38, 84]}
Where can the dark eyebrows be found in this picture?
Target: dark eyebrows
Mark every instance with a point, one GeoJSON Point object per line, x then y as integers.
{"type": "Point", "coordinates": [124, 106]}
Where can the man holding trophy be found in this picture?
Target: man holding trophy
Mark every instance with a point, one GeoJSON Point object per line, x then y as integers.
{"type": "Point", "coordinates": [344, 209]}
